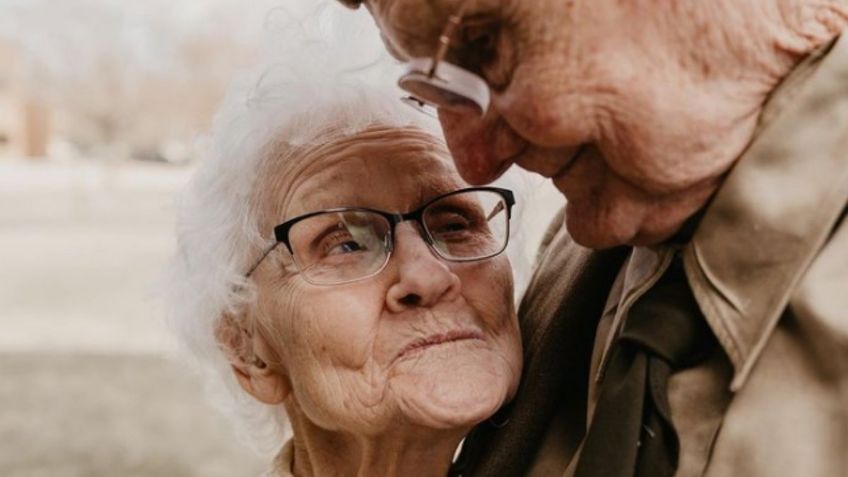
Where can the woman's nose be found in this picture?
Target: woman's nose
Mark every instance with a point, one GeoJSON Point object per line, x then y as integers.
{"type": "Point", "coordinates": [421, 279]}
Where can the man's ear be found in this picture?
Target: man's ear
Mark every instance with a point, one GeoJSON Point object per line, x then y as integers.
{"type": "Point", "coordinates": [352, 4]}
{"type": "Point", "coordinates": [248, 353]}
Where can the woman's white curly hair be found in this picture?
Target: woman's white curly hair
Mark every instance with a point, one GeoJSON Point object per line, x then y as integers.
{"type": "Point", "coordinates": [325, 72]}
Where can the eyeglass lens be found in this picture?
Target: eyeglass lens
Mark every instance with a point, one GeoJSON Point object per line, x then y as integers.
{"type": "Point", "coordinates": [453, 88]}
{"type": "Point", "coordinates": [339, 247]}
{"type": "Point", "coordinates": [467, 226]}
{"type": "Point", "coordinates": [436, 93]}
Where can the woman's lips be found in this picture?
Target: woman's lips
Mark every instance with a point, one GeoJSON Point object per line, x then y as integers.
{"type": "Point", "coordinates": [421, 344]}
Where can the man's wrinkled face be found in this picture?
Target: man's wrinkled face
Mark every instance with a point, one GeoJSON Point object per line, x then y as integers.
{"type": "Point", "coordinates": [424, 342]}
{"type": "Point", "coordinates": [588, 94]}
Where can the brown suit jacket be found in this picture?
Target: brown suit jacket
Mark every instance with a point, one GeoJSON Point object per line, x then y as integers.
{"type": "Point", "coordinates": [559, 315]}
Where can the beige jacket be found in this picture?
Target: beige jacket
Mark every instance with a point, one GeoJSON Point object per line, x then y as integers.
{"type": "Point", "coordinates": [769, 268]}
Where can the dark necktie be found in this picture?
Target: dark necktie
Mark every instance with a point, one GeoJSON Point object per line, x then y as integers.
{"type": "Point", "coordinates": [631, 433]}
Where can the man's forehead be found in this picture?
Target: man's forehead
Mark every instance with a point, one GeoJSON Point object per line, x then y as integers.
{"type": "Point", "coordinates": [412, 27]}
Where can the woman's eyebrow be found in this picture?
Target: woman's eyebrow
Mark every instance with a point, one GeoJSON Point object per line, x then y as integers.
{"type": "Point", "coordinates": [459, 205]}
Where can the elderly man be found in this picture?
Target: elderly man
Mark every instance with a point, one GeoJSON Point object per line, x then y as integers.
{"type": "Point", "coordinates": [703, 150]}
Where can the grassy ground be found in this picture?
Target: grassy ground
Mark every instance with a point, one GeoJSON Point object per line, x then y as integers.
{"type": "Point", "coordinates": [81, 415]}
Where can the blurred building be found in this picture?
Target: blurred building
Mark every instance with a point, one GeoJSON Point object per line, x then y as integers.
{"type": "Point", "coordinates": [24, 120]}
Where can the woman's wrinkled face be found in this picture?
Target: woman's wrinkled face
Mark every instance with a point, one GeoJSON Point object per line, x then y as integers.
{"type": "Point", "coordinates": [424, 342]}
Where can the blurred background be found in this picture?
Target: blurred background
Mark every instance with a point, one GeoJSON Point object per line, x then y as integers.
{"type": "Point", "coordinates": [100, 101]}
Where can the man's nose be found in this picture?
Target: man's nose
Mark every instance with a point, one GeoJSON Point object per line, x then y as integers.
{"type": "Point", "coordinates": [421, 279]}
{"type": "Point", "coordinates": [483, 148]}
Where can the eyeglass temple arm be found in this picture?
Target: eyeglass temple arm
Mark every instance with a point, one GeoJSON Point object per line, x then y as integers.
{"type": "Point", "coordinates": [498, 208]}
{"type": "Point", "coordinates": [445, 38]}
{"type": "Point", "coordinates": [258, 262]}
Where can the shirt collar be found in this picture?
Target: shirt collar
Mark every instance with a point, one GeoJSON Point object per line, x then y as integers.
{"type": "Point", "coordinates": [775, 209]}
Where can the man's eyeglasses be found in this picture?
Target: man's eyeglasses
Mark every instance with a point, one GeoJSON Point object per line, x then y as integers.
{"type": "Point", "coordinates": [436, 83]}
{"type": "Point", "coordinates": [347, 244]}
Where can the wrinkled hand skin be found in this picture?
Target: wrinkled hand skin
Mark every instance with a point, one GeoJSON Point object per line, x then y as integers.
{"type": "Point", "coordinates": [366, 397]}
{"type": "Point", "coordinates": [635, 110]}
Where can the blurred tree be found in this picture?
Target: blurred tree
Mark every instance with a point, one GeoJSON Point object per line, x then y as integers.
{"type": "Point", "coordinates": [128, 77]}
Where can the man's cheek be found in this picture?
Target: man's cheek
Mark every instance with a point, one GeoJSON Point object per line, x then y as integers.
{"type": "Point", "coordinates": [548, 105]}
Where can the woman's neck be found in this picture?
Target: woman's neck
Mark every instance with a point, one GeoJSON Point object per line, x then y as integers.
{"type": "Point", "coordinates": [405, 450]}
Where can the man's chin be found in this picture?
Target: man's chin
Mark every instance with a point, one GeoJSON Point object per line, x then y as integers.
{"type": "Point", "coordinates": [588, 230]}
{"type": "Point", "coordinates": [603, 232]}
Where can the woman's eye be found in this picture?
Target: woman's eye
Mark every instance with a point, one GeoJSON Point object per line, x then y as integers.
{"type": "Point", "coordinates": [453, 227]}
{"type": "Point", "coordinates": [340, 243]}
{"type": "Point", "coordinates": [452, 224]}
{"type": "Point", "coordinates": [346, 247]}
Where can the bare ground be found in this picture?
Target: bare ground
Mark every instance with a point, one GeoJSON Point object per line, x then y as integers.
{"type": "Point", "coordinates": [87, 415]}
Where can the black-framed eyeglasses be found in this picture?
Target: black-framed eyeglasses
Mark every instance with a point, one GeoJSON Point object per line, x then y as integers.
{"type": "Point", "coordinates": [346, 244]}
{"type": "Point", "coordinates": [437, 83]}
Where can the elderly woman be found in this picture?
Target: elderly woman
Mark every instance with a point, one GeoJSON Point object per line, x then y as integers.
{"type": "Point", "coordinates": [335, 269]}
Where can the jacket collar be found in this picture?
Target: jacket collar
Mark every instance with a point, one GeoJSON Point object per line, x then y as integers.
{"type": "Point", "coordinates": [776, 208]}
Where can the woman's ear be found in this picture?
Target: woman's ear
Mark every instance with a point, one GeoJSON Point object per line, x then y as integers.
{"type": "Point", "coordinates": [248, 353]}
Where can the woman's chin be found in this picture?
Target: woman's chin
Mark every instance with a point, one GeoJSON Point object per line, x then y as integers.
{"type": "Point", "coordinates": [452, 393]}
